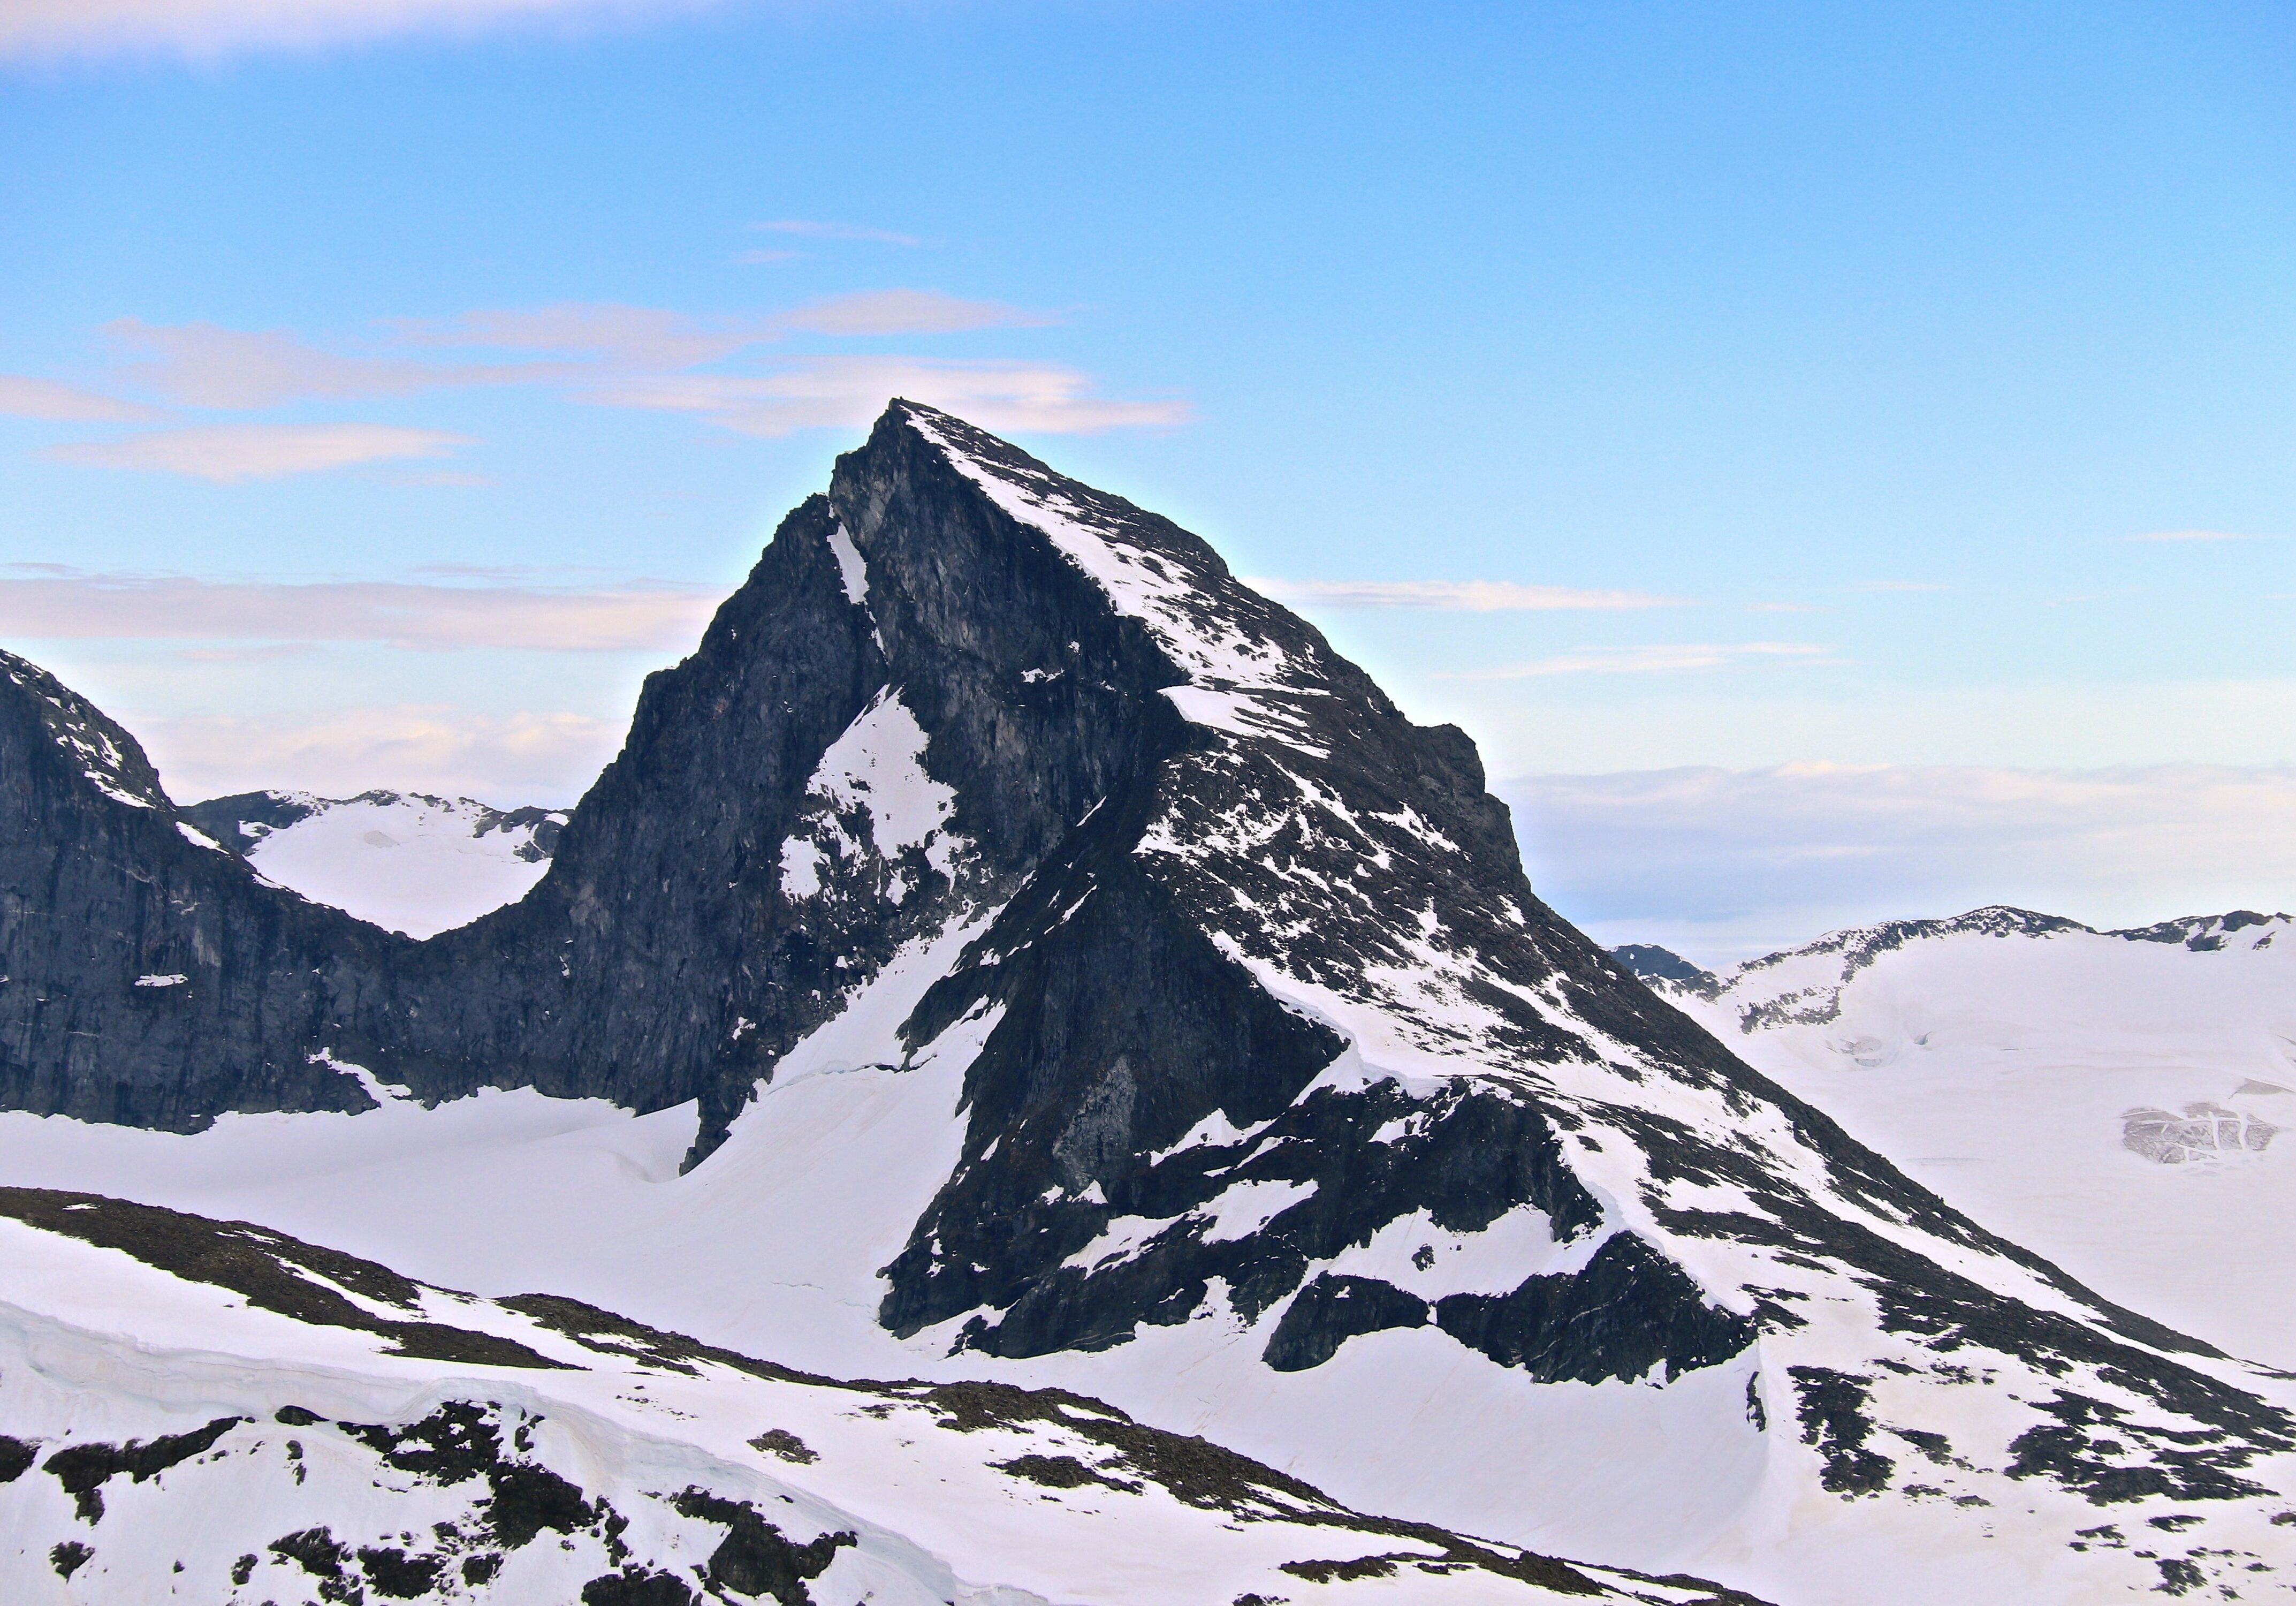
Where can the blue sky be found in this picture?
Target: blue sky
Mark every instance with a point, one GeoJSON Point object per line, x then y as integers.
{"type": "Point", "coordinates": [388, 394]}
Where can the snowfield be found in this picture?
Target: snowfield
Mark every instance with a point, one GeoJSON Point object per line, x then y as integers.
{"type": "Point", "coordinates": [401, 861]}
{"type": "Point", "coordinates": [2041, 1075]}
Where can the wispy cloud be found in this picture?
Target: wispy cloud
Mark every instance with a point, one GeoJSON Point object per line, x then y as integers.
{"type": "Point", "coordinates": [201, 28]}
{"type": "Point", "coordinates": [1783, 607]}
{"type": "Point", "coordinates": [1652, 660]}
{"type": "Point", "coordinates": [204, 365]}
{"type": "Point", "coordinates": [600, 352]}
{"type": "Point", "coordinates": [906, 312]}
{"type": "Point", "coordinates": [543, 757]}
{"type": "Point", "coordinates": [1457, 595]}
{"type": "Point", "coordinates": [528, 617]}
{"type": "Point", "coordinates": [267, 652]}
{"type": "Point", "coordinates": [849, 391]}
{"type": "Point", "coordinates": [813, 229]}
{"type": "Point", "coordinates": [2190, 535]}
{"type": "Point", "coordinates": [242, 370]}
{"type": "Point", "coordinates": [763, 255]}
{"type": "Point", "coordinates": [22, 396]}
{"type": "Point", "coordinates": [1731, 862]}
{"type": "Point", "coordinates": [231, 452]}
{"type": "Point", "coordinates": [625, 336]}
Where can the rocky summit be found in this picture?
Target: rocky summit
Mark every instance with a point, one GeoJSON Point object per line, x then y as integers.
{"type": "Point", "coordinates": [1011, 953]}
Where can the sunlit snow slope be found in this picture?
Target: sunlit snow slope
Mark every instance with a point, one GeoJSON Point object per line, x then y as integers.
{"type": "Point", "coordinates": [405, 862]}
{"type": "Point", "coordinates": [2122, 1102]}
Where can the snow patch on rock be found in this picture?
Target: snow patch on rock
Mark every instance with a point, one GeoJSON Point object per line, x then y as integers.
{"type": "Point", "coordinates": [873, 783]}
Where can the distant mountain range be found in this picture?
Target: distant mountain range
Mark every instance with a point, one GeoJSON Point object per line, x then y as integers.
{"type": "Point", "coordinates": [1012, 954]}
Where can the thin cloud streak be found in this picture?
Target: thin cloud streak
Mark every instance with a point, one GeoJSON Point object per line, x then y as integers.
{"type": "Point", "coordinates": [603, 353]}
{"type": "Point", "coordinates": [908, 312]}
{"type": "Point", "coordinates": [1726, 863]}
{"type": "Point", "coordinates": [1652, 660]}
{"type": "Point", "coordinates": [545, 758]}
{"type": "Point", "coordinates": [849, 391]}
{"type": "Point", "coordinates": [267, 652]}
{"type": "Point", "coordinates": [811, 230]}
{"type": "Point", "coordinates": [228, 453]}
{"type": "Point", "coordinates": [609, 332]}
{"type": "Point", "coordinates": [204, 365]}
{"type": "Point", "coordinates": [205, 29]}
{"type": "Point", "coordinates": [1454, 596]}
{"type": "Point", "coordinates": [648, 617]}
{"type": "Point", "coordinates": [24, 396]}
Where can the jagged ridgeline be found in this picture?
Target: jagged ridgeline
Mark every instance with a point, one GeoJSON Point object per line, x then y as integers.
{"type": "Point", "coordinates": [1267, 1049]}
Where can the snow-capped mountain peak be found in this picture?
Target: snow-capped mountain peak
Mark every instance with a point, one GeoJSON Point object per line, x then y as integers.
{"type": "Point", "coordinates": [1075, 973]}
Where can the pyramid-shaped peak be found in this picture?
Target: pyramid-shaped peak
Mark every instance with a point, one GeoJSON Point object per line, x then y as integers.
{"type": "Point", "coordinates": [1233, 659]}
{"type": "Point", "coordinates": [1032, 490]}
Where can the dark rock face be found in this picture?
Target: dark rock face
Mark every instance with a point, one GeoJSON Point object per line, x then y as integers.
{"type": "Point", "coordinates": [244, 819]}
{"type": "Point", "coordinates": [268, 1269]}
{"type": "Point", "coordinates": [150, 980]}
{"type": "Point", "coordinates": [1093, 1069]}
{"type": "Point", "coordinates": [85, 1469]}
{"type": "Point", "coordinates": [1628, 1311]}
{"type": "Point", "coordinates": [663, 924]}
{"type": "Point", "coordinates": [1653, 963]}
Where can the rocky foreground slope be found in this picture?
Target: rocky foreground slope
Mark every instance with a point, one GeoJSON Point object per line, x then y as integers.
{"type": "Point", "coordinates": [291, 1423]}
{"type": "Point", "coordinates": [1056, 965]}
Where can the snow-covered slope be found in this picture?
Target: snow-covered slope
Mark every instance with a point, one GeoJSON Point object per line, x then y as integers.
{"type": "Point", "coordinates": [1071, 971]}
{"type": "Point", "coordinates": [2122, 1102]}
{"type": "Point", "coordinates": [205, 1411]}
{"type": "Point", "coordinates": [405, 862]}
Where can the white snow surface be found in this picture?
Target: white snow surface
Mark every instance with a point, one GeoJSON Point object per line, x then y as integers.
{"type": "Point", "coordinates": [874, 772]}
{"type": "Point", "coordinates": [412, 864]}
{"type": "Point", "coordinates": [2011, 1069]}
{"type": "Point", "coordinates": [852, 572]}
